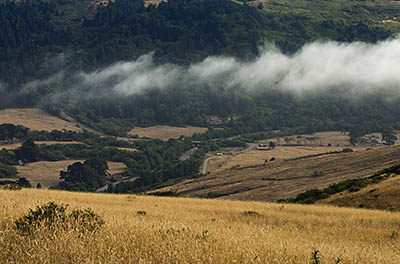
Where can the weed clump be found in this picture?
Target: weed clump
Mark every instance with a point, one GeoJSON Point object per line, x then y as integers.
{"type": "Point", "coordinates": [141, 213]}
{"type": "Point", "coordinates": [315, 258]}
{"type": "Point", "coordinates": [54, 216]}
{"type": "Point", "coordinates": [251, 213]}
{"type": "Point", "coordinates": [11, 187]}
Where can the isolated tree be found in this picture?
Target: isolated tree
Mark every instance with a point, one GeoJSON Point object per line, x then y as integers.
{"type": "Point", "coordinates": [271, 144]}
{"type": "Point", "coordinates": [86, 176]}
{"type": "Point", "coordinates": [28, 152]}
{"type": "Point", "coordinates": [23, 182]}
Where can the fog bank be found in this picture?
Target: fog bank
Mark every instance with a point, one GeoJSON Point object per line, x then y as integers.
{"type": "Point", "coordinates": [359, 68]}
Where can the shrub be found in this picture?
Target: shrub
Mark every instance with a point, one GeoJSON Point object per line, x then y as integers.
{"type": "Point", "coordinates": [11, 187]}
{"type": "Point", "coordinates": [251, 213]}
{"type": "Point", "coordinates": [46, 215]}
{"type": "Point", "coordinates": [142, 213]}
{"type": "Point", "coordinates": [85, 220]}
{"type": "Point", "coordinates": [52, 215]}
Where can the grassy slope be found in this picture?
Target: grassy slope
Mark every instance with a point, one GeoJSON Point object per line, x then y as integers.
{"type": "Point", "coordinates": [384, 195]}
{"type": "Point", "coordinates": [283, 179]}
{"type": "Point", "coordinates": [177, 230]}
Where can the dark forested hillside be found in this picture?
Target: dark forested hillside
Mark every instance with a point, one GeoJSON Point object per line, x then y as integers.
{"type": "Point", "coordinates": [181, 31]}
{"type": "Point", "coordinates": [48, 47]}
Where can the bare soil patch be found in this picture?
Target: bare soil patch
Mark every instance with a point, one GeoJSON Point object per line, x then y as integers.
{"type": "Point", "coordinates": [35, 119]}
{"type": "Point", "coordinates": [47, 173]}
{"type": "Point", "coordinates": [166, 132]}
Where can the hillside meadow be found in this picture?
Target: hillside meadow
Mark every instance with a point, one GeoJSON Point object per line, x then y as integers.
{"type": "Point", "coordinates": [245, 177]}
{"type": "Point", "coordinates": [146, 229]}
{"type": "Point", "coordinates": [35, 119]}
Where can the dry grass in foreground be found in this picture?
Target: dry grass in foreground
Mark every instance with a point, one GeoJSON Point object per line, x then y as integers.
{"type": "Point", "coordinates": [166, 132]}
{"type": "Point", "coordinates": [47, 173]}
{"type": "Point", "coordinates": [35, 119]}
{"type": "Point", "coordinates": [140, 229]}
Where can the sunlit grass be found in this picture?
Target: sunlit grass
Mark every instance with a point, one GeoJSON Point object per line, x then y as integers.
{"type": "Point", "coordinates": [142, 229]}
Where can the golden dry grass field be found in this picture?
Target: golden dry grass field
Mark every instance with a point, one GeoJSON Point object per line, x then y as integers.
{"type": "Point", "coordinates": [244, 177]}
{"type": "Point", "coordinates": [128, 149]}
{"type": "Point", "coordinates": [47, 173]}
{"type": "Point", "coordinates": [35, 119]}
{"type": "Point", "coordinates": [258, 157]}
{"type": "Point", "coordinates": [182, 230]}
{"type": "Point", "coordinates": [166, 132]}
{"type": "Point", "coordinates": [335, 138]}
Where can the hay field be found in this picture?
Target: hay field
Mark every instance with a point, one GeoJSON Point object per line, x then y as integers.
{"type": "Point", "coordinates": [384, 195]}
{"type": "Point", "coordinates": [47, 173]}
{"type": "Point", "coordinates": [35, 119]}
{"type": "Point", "coordinates": [181, 230]}
{"type": "Point", "coordinates": [282, 179]}
{"type": "Point", "coordinates": [335, 138]}
{"type": "Point", "coordinates": [166, 132]}
{"type": "Point", "coordinates": [258, 157]}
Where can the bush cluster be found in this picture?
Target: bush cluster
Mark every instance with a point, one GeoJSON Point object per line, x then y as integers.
{"type": "Point", "coordinates": [54, 216]}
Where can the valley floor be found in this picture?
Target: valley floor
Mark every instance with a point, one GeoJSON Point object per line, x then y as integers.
{"type": "Point", "coordinates": [144, 229]}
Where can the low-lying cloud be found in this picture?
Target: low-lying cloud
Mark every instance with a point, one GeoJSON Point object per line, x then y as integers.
{"type": "Point", "coordinates": [359, 68]}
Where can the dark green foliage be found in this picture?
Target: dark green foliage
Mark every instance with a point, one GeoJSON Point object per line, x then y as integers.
{"type": "Point", "coordinates": [11, 187]}
{"type": "Point", "coordinates": [28, 152]}
{"type": "Point", "coordinates": [164, 194]}
{"type": "Point", "coordinates": [7, 171]}
{"type": "Point", "coordinates": [8, 157]}
{"type": "Point", "coordinates": [53, 216]}
{"type": "Point", "coordinates": [10, 131]}
{"type": "Point", "coordinates": [141, 213]}
{"type": "Point", "coordinates": [46, 215]}
{"type": "Point", "coordinates": [86, 176]}
{"type": "Point", "coordinates": [23, 182]}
